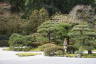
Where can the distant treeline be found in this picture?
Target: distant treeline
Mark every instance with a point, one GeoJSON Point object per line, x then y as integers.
{"type": "Point", "coordinates": [63, 6]}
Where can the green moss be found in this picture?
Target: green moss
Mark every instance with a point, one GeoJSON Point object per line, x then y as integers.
{"type": "Point", "coordinates": [94, 50]}
{"type": "Point", "coordinates": [83, 55]}
{"type": "Point", "coordinates": [89, 55]}
{"type": "Point", "coordinates": [35, 49]}
{"type": "Point", "coordinates": [7, 49]}
{"type": "Point", "coordinates": [70, 55]}
{"type": "Point", "coordinates": [27, 54]}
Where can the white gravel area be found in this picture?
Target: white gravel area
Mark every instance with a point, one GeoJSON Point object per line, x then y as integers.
{"type": "Point", "coordinates": [10, 57]}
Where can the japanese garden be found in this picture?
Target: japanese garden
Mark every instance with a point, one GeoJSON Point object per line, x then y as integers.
{"type": "Point", "coordinates": [48, 29]}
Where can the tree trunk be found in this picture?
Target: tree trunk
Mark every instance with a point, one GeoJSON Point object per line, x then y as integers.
{"type": "Point", "coordinates": [89, 51]}
{"type": "Point", "coordinates": [67, 40]}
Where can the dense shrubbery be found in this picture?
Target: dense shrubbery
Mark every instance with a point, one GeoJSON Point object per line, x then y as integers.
{"type": "Point", "coordinates": [43, 47]}
{"type": "Point", "coordinates": [16, 42]}
{"type": "Point", "coordinates": [54, 51]}
{"type": "Point", "coordinates": [24, 43]}
{"type": "Point", "coordinates": [20, 42]}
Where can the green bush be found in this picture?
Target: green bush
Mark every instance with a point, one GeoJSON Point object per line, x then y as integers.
{"type": "Point", "coordinates": [16, 40]}
{"type": "Point", "coordinates": [54, 51]}
{"type": "Point", "coordinates": [59, 53]}
{"type": "Point", "coordinates": [48, 45]}
{"type": "Point", "coordinates": [20, 43]}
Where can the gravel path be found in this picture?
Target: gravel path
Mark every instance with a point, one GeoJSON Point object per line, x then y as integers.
{"type": "Point", "coordinates": [9, 57]}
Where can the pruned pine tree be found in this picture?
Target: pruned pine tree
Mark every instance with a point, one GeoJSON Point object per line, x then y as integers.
{"type": "Point", "coordinates": [84, 36]}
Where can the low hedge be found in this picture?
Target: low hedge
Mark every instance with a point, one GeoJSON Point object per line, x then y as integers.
{"type": "Point", "coordinates": [27, 54]}
{"type": "Point", "coordinates": [89, 55]}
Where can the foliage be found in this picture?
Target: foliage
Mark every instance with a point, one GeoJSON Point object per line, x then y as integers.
{"type": "Point", "coordinates": [16, 40]}
{"type": "Point", "coordinates": [21, 42]}
{"type": "Point", "coordinates": [35, 49]}
{"type": "Point", "coordinates": [84, 37]}
{"type": "Point", "coordinates": [84, 13]}
{"type": "Point", "coordinates": [36, 25]}
{"type": "Point", "coordinates": [55, 31]}
{"type": "Point", "coordinates": [7, 26]}
{"type": "Point", "coordinates": [89, 55]}
{"type": "Point", "coordinates": [46, 29]}
{"type": "Point", "coordinates": [64, 18]}
{"type": "Point", "coordinates": [34, 40]}
{"type": "Point", "coordinates": [39, 39]}
{"type": "Point", "coordinates": [52, 6]}
{"type": "Point", "coordinates": [54, 51]}
{"type": "Point", "coordinates": [36, 19]}
{"type": "Point", "coordinates": [27, 54]}
{"type": "Point", "coordinates": [70, 55]}
{"type": "Point", "coordinates": [82, 56]}
{"type": "Point", "coordinates": [43, 47]}
{"type": "Point", "coordinates": [17, 5]}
